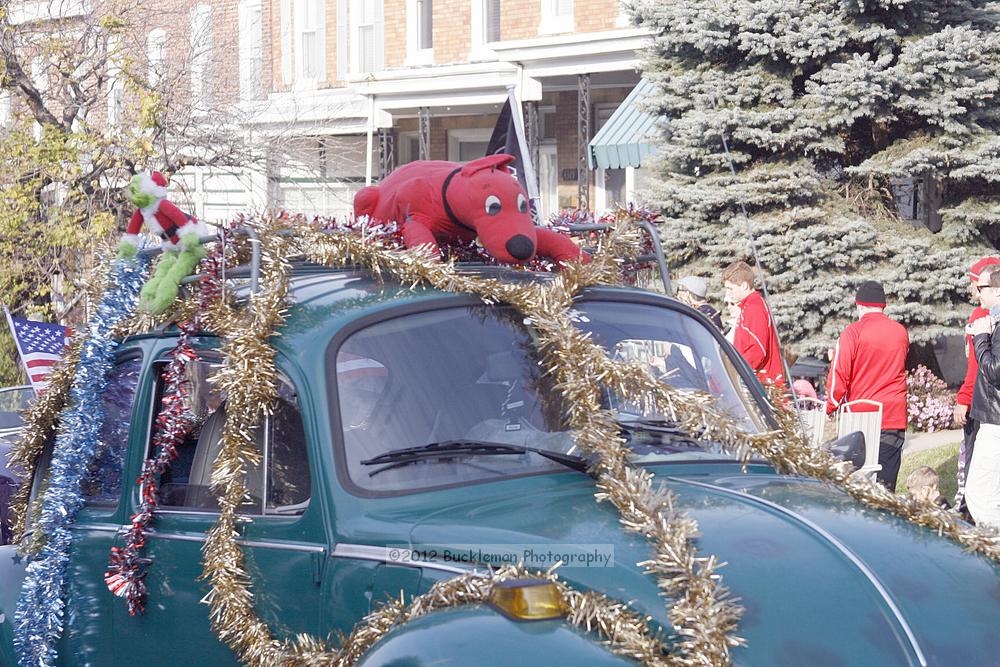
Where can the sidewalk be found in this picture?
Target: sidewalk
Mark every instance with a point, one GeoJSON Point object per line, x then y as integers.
{"type": "Point", "coordinates": [918, 442]}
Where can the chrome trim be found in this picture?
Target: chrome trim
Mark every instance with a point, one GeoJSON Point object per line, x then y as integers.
{"type": "Point", "coordinates": [285, 546]}
{"type": "Point", "coordinates": [840, 546]}
{"type": "Point", "coordinates": [98, 527]}
{"type": "Point", "coordinates": [381, 554]}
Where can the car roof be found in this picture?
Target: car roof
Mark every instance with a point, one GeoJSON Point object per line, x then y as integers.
{"type": "Point", "coordinates": [322, 299]}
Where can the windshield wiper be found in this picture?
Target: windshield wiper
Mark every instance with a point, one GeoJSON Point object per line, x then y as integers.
{"type": "Point", "coordinates": [674, 435]}
{"type": "Point", "coordinates": [455, 448]}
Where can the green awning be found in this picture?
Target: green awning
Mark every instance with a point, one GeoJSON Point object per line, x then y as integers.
{"type": "Point", "coordinates": [623, 141]}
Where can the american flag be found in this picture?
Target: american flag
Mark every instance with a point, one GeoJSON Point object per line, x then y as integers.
{"type": "Point", "coordinates": [40, 345]}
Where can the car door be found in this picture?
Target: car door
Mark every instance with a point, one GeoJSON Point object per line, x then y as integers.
{"type": "Point", "coordinates": [87, 636]}
{"type": "Point", "coordinates": [282, 538]}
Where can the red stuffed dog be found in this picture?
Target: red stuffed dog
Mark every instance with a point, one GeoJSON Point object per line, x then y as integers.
{"type": "Point", "coordinates": [446, 202]}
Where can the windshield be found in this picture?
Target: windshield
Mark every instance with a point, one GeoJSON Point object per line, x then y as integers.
{"type": "Point", "coordinates": [472, 374]}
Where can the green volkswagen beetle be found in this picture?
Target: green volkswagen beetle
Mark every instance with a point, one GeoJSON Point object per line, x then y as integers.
{"type": "Point", "coordinates": [417, 437]}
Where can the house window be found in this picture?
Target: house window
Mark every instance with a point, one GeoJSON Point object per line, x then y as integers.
{"type": "Point", "coordinates": [557, 16]}
{"type": "Point", "coordinates": [311, 42]}
{"type": "Point", "coordinates": [409, 147]}
{"type": "Point", "coordinates": [491, 20]}
{"type": "Point", "coordinates": [425, 24]}
{"type": "Point", "coordinates": [547, 123]}
{"type": "Point", "coordinates": [485, 27]}
{"type": "Point", "coordinates": [420, 32]}
{"type": "Point", "coordinates": [367, 27]}
{"type": "Point", "coordinates": [468, 145]}
{"type": "Point", "coordinates": [251, 53]}
{"type": "Point", "coordinates": [343, 47]}
{"type": "Point", "coordinates": [156, 45]}
{"type": "Point", "coordinates": [201, 57]}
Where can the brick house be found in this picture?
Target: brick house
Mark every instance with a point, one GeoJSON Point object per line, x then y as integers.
{"type": "Point", "coordinates": [342, 91]}
{"type": "Point", "coordinates": [366, 85]}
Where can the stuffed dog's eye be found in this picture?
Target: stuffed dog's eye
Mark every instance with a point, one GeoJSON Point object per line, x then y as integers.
{"type": "Point", "coordinates": [522, 204]}
{"type": "Point", "coordinates": [492, 205]}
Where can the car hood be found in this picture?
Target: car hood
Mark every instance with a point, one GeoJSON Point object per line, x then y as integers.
{"type": "Point", "coordinates": [823, 581]}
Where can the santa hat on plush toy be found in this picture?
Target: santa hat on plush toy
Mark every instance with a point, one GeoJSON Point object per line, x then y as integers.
{"type": "Point", "coordinates": [153, 183]}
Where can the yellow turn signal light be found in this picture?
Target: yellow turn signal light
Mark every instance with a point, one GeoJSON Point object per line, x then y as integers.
{"type": "Point", "coordinates": [528, 600]}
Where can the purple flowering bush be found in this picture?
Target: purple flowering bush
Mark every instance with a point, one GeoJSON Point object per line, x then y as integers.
{"type": "Point", "coordinates": [929, 404]}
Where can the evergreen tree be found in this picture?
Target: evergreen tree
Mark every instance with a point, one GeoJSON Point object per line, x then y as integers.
{"type": "Point", "coordinates": [823, 103]}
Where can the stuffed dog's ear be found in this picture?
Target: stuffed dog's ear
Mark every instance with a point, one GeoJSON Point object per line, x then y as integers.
{"type": "Point", "coordinates": [488, 162]}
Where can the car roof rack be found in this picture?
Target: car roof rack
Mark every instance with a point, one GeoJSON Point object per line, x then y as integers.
{"type": "Point", "coordinates": [254, 268]}
{"type": "Point", "coordinates": [654, 235]}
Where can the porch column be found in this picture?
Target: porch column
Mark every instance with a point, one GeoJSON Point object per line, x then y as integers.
{"type": "Point", "coordinates": [531, 130]}
{"type": "Point", "coordinates": [424, 133]}
{"type": "Point", "coordinates": [583, 141]}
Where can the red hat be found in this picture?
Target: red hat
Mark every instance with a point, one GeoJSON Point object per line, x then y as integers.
{"type": "Point", "coordinates": [978, 267]}
{"type": "Point", "coordinates": [153, 183]}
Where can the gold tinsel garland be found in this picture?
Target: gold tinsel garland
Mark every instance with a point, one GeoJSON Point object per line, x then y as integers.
{"type": "Point", "coordinates": [39, 425]}
{"type": "Point", "coordinates": [703, 616]}
{"type": "Point", "coordinates": [249, 379]}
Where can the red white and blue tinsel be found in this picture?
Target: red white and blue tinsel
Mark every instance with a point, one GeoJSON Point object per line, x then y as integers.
{"type": "Point", "coordinates": [127, 565]}
{"type": "Point", "coordinates": [38, 621]}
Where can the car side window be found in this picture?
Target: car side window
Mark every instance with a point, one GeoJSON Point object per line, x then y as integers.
{"type": "Point", "coordinates": [279, 484]}
{"type": "Point", "coordinates": [103, 483]}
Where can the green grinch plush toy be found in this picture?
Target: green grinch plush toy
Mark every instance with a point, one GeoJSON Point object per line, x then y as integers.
{"type": "Point", "coordinates": [178, 231]}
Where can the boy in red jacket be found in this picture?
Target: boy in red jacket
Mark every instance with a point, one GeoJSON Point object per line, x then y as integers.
{"type": "Point", "coordinates": [964, 398]}
{"type": "Point", "coordinates": [870, 363]}
{"type": "Point", "coordinates": [754, 335]}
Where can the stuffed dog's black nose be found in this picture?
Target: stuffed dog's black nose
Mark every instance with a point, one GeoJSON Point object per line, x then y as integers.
{"type": "Point", "coordinates": [520, 247]}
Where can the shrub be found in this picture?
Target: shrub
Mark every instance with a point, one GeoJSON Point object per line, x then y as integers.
{"type": "Point", "coordinates": [929, 404]}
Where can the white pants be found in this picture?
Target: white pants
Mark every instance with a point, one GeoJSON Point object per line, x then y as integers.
{"type": "Point", "coordinates": [982, 482]}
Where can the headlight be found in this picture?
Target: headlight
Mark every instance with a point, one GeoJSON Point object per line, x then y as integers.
{"type": "Point", "coordinates": [528, 600]}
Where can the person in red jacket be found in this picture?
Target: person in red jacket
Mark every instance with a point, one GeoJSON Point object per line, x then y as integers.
{"type": "Point", "coordinates": [869, 362]}
{"type": "Point", "coordinates": [978, 274]}
{"type": "Point", "coordinates": [754, 335]}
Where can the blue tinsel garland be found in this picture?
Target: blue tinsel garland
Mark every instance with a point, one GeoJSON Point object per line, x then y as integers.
{"type": "Point", "coordinates": [38, 622]}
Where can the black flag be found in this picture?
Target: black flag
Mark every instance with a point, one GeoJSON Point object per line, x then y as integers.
{"type": "Point", "coordinates": [505, 141]}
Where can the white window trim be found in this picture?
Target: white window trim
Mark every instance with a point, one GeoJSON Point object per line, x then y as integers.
{"type": "Point", "coordinates": [630, 185]}
{"type": "Point", "coordinates": [156, 46]}
{"type": "Point", "coordinates": [285, 20]}
{"type": "Point", "coordinates": [553, 24]}
{"type": "Point", "coordinates": [478, 45]}
{"type": "Point", "coordinates": [623, 20]}
{"type": "Point", "coordinates": [116, 89]}
{"type": "Point", "coordinates": [549, 199]}
{"type": "Point", "coordinates": [601, 194]}
{"type": "Point", "coordinates": [251, 51]}
{"type": "Point", "coordinates": [414, 55]}
{"type": "Point", "coordinates": [342, 41]}
{"type": "Point", "coordinates": [456, 137]}
{"type": "Point", "coordinates": [302, 81]}
{"type": "Point", "coordinates": [378, 32]}
{"type": "Point", "coordinates": [202, 47]}
{"type": "Point", "coordinates": [40, 80]}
